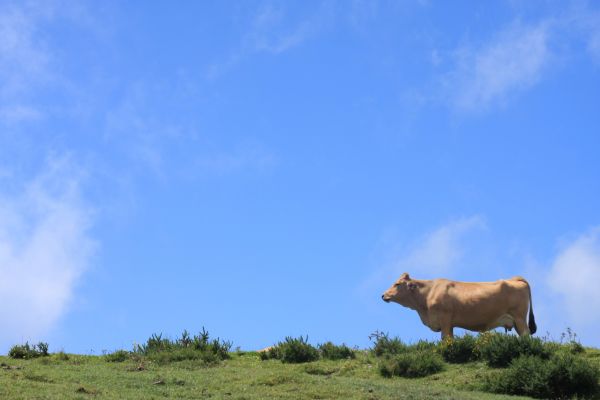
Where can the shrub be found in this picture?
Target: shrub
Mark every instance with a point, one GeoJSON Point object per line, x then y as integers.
{"type": "Point", "coordinates": [19, 351]}
{"type": "Point", "coordinates": [459, 350]}
{"type": "Point", "coordinates": [272, 353]}
{"type": "Point", "coordinates": [26, 351]}
{"type": "Point", "coordinates": [292, 350]}
{"type": "Point", "coordinates": [154, 344]}
{"type": "Point", "coordinates": [183, 354]}
{"type": "Point", "coordinates": [297, 350]}
{"type": "Point", "coordinates": [411, 365]}
{"type": "Point", "coordinates": [569, 341]}
{"type": "Point", "coordinates": [572, 375]}
{"type": "Point", "coordinates": [42, 348]}
{"type": "Point", "coordinates": [527, 375]}
{"type": "Point", "coordinates": [499, 349]}
{"type": "Point", "coordinates": [320, 369]}
{"type": "Point", "coordinates": [197, 347]}
{"type": "Point", "coordinates": [576, 348]}
{"type": "Point", "coordinates": [331, 351]}
{"type": "Point", "coordinates": [383, 345]}
{"type": "Point", "coordinates": [562, 376]}
{"type": "Point", "coordinates": [423, 345]}
{"type": "Point", "coordinates": [117, 356]}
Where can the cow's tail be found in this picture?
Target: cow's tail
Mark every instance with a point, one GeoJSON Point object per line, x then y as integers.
{"type": "Point", "coordinates": [532, 326]}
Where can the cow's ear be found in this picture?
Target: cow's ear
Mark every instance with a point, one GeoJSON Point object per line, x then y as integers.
{"type": "Point", "coordinates": [405, 276]}
{"type": "Point", "coordinates": [412, 286]}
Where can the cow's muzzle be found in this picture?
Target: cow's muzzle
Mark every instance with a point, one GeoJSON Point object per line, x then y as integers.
{"type": "Point", "coordinates": [385, 298]}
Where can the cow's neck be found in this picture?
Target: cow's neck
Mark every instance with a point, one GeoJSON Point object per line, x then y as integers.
{"type": "Point", "coordinates": [418, 301]}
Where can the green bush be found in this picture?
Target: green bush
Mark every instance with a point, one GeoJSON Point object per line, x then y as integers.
{"type": "Point", "coordinates": [297, 350]}
{"type": "Point", "coordinates": [183, 354]}
{"type": "Point", "coordinates": [499, 349]}
{"type": "Point", "coordinates": [155, 344]}
{"type": "Point", "coordinates": [459, 350]}
{"type": "Point", "coordinates": [331, 351]}
{"type": "Point", "coordinates": [576, 348]}
{"type": "Point", "coordinates": [562, 376]}
{"type": "Point", "coordinates": [272, 353]}
{"type": "Point", "coordinates": [26, 351]}
{"type": "Point", "coordinates": [197, 347]}
{"type": "Point", "coordinates": [62, 356]}
{"type": "Point", "coordinates": [384, 345]}
{"type": "Point", "coordinates": [414, 364]}
{"type": "Point", "coordinates": [423, 345]}
{"type": "Point", "coordinates": [117, 356]}
{"type": "Point", "coordinates": [527, 375]}
{"type": "Point", "coordinates": [570, 341]}
{"type": "Point", "coordinates": [572, 375]}
{"type": "Point", "coordinates": [19, 351]}
{"type": "Point", "coordinates": [292, 350]}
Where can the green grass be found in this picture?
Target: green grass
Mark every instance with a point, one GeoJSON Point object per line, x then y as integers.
{"type": "Point", "coordinates": [243, 376]}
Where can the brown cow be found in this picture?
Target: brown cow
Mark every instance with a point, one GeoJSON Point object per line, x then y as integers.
{"type": "Point", "coordinates": [477, 306]}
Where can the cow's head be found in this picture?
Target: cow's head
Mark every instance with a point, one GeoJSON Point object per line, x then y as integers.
{"type": "Point", "coordinates": [401, 291]}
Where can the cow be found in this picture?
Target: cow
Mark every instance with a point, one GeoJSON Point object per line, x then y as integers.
{"type": "Point", "coordinates": [443, 304]}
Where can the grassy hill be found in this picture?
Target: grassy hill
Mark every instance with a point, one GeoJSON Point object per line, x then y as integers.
{"type": "Point", "coordinates": [244, 376]}
{"type": "Point", "coordinates": [241, 375]}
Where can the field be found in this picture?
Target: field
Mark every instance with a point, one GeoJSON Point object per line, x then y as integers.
{"type": "Point", "coordinates": [242, 376]}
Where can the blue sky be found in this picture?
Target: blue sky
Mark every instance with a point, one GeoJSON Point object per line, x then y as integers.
{"type": "Point", "coordinates": [269, 168]}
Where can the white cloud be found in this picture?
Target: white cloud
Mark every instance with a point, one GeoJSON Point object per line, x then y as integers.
{"type": "Point", "coordinates": [514, 61]}
{"type": "Point", "coordinates": [30, 61]}
{"type": "Point", "coordinates": [575, 274]}
{"type": "Point", "coordinates": [174, 146]}
{"type": "Point", "coordinates": [23, 59]}
{"type": "Point", "coordinates": [239, 159]}
{"type": "Point", "coordinates": [362, 12]}
{"type": "Point", "coordinates": [16, 113]}
{"type": "Point", "coordinates": [271, 31]}
{"type": "Point", "coordinates": [271, 34]}
{"type": "Point", "coordinates": [517, 58]}
{"type": "Point", "coordinates": [589, 23]}
{"type": "Point", "coordinates": [45, 246]}
{"type": "Point", "coordinates": [23, 63]}
{"type": "Point", "coordinates": [439, 251]}
{"type": "Point", "coordinates": [435, 254]}
{"type": "Point", "coordinates": [594, 46]}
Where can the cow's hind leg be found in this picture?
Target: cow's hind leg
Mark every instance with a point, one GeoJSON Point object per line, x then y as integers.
{"type": "Point", "coordinates": [447, 332]}
{"type": "Point", "coordinates": [521, 327]}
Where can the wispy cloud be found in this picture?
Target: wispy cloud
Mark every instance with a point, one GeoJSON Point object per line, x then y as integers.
{"type": "Point", "coordinates": [361, 12]}
{"type": "Point", "coordinates": [588, 22]}
{"type": "Point", "coordinates": [14, 114]}
{"type": "Point", "coordinates": [30, 60]}
{"type": "Point", "coordinates": [24, 61]}
{"type": "Point", "coordinates": [517, 58]}
{"type": "Point", "coordinates": [574, 275]}
{"type": "Point", "coordinates": [437, 253]}
{"type": "Point", "coordinates": [594, 46]}
{"type": "Point", "coordinates": [173, 145]}
{"type": "Point", "coordinates": [513, 61]}
{"type": "Point", "coordinates": [45, 246]}
{"type": "Point", "coordinates": [247, 157]}
{"type": "Point", "coordinates": [272, 34]}
{"type": "Point", "coordinates": [271, 31]}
